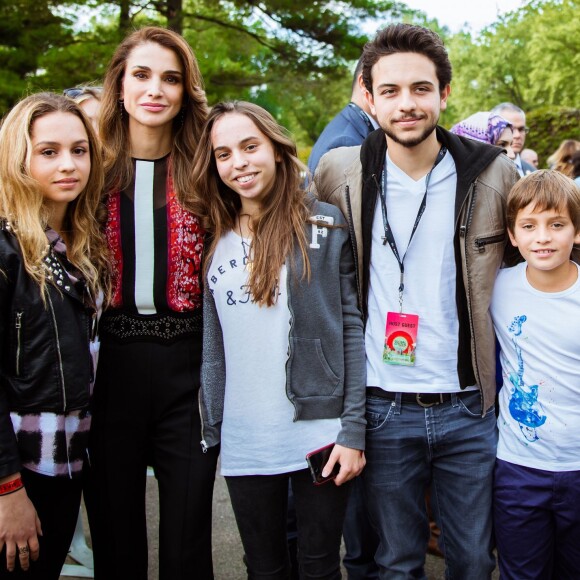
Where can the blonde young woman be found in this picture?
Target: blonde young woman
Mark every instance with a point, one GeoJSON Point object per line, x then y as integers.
{"type": "Point", "coordinates": [145, 403]}
{"type": "Point", "coordinates": [52, 264]}
{"type": "Point", "coordinates": [283, 361]}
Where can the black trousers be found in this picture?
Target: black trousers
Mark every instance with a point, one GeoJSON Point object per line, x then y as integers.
{"type": "Point", "coordinates": [57, 501]}
{"type": "Point", "coordinates": [146, 413]}
{"type": "Point", "coordinates": [260, 504]}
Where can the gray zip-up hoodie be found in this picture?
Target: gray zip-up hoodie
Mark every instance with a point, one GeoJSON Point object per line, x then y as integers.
{"type": "Point", "coordinates": [325, 370]}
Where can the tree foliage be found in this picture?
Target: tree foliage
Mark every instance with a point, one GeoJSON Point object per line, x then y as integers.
{"type": "Point", "coordinates": [549, 127]}
{"type": "Point", "coordinates": [295, 57]}
{"type": "Point", "coordinates": [529, 57]}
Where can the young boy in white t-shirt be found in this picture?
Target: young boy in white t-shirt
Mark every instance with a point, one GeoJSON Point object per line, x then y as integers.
{"type": "Point", "coordinates": [536, 314]}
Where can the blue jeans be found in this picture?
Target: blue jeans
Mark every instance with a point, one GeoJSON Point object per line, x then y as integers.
{"type": "Point", "coordinates": [537, 522]}
{"type": "Point", "coordinates": [360, 538]}
{"type": "Point", "coordinates": [449, 446]}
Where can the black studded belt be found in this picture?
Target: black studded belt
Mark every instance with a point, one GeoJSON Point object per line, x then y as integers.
{"type": "Point", "coordinates": [164, 328]}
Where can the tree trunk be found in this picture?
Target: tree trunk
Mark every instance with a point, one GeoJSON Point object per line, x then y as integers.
{"type": "Point", "coordinates": [124, 17]}
{"type": "Point", "coordinates": [175, 15]}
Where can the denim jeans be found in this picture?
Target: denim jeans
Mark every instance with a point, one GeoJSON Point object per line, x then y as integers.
{"type": "Point", "coordinates": [449, 446]}
{"type": "Point", "coordinates": [260, 505]}
{"type": "Point", "coordinates": [360, 539]}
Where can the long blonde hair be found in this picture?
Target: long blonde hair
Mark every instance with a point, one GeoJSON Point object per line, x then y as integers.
{"type": "Point", "coordinates": [284, 212]}
{"type": "Point", "coordinates": [187, 125]}
{"type": "Point", "coordinates": [21, 202]}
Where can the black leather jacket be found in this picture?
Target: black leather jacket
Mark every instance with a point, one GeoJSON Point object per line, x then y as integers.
{"type": "Point", "coordinates": [45, 362]}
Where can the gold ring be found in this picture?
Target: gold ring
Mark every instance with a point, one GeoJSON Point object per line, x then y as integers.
{"type": "Point", "coordinates": [23, 550]}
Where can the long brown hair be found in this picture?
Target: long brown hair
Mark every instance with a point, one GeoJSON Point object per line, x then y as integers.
{"type": "Point", "coordinates": [283, 215]}
{"type": "Point", "coordinates": [21, 202]}
{"type": "Point", "coordinates": [561, 159]}
{"type": "Point", "coordinates": [187, 125]}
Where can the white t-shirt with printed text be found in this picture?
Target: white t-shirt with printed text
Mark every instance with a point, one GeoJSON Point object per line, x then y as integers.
{"type": "Point", "coordinates": [259, 435]}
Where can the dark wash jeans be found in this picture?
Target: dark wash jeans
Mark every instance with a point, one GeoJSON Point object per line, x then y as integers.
{"type": "Point", "coordinates": [452, 448]}
{"type": "Point", "coordinates": [260, 504]}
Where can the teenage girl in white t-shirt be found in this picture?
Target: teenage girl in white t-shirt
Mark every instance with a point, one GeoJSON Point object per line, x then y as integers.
{"type": "Point", "coordinates": [283, 359]}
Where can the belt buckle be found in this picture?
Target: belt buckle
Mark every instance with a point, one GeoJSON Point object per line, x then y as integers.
{"type": "Point", "coordinates": [427, 405]}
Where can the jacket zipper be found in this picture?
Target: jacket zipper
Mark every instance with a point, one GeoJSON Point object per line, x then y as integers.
{"type": "Point", "coordinates": [289, 352]}
{"type": "Point", "coordinates": [60, 367]}
{"type": "Point", "coordinates": [471, 194]}
{"type": "Point", "coordinates": [353, 244]}
{"type": "Point", "coordinates": [480, 243]}
{"type": "Point", "coordinates": [18, 340]}
{"type": "Point", "coordinates": [203, 442]}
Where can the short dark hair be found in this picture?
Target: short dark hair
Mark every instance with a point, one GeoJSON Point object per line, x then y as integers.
{"type": "Point", "coordinates": [357, 71]}
{"type": "Point", "coordinates": [397, 38]}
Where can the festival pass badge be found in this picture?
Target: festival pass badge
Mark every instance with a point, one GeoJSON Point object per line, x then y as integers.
{"type": "Point", "coordinates": [400, 339]}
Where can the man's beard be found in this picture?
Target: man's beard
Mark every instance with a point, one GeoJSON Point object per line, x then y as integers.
{"type": "Point", "coordinates": [412, 141]}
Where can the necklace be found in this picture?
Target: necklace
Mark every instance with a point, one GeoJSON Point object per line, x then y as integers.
{"type": "Point", "coordinates": [246, 247]}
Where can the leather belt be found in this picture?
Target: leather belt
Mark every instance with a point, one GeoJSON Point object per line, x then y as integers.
{"type": "Point", "coordinates": [422, 399]}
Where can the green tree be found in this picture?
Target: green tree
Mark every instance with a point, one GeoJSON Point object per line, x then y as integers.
{"type": "Point", "coordinates": [27, 29]}
{"type": "Point", "coordinates": [529, 57]}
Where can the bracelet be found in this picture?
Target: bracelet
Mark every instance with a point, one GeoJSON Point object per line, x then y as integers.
{"type": "Point", "coordinates": [11, 486]}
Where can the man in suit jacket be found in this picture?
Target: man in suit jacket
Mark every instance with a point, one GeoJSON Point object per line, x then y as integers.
{"type": "Point", "coordinates": [349, 128]}
{"type": "Point", "coordinates": [517, 118]}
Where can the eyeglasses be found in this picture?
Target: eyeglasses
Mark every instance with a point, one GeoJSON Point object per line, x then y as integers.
{"type": "Point", "coordinates": [524, 130]}
{"type": "Point", "coordinates": [75, 92]}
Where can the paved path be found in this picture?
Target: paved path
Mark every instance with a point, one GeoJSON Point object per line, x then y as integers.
{"type": "Point", "coordinates": [227, 549]}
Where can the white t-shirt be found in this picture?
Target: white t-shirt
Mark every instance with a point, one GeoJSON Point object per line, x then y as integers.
{"type": "Point", "coordinates": [539, 420]}
{"type": "Point", "coordinates": [259, 435]}
{"type": "Point", "coordinates": [430, 275]}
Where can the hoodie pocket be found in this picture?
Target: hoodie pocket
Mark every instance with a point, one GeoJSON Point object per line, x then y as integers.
{"type": "Point", "coordinates": [310, 373]}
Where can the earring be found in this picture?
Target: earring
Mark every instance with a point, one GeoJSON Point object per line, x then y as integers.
{"type": "Point", "coordinates": [182, 116]}
{"type": "Point", "coordinates": [121, 108]}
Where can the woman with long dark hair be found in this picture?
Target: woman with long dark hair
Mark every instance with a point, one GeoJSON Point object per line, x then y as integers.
{"type": "Point", "coordinates": [145, 404]}
{"type": "Point", "coordinates": [283, 369]}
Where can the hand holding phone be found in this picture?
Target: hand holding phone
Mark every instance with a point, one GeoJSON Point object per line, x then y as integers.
{"type": "Point", "coordinates": [317, 460]}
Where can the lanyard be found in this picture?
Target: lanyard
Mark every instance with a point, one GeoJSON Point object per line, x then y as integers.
{"type": "Point", "coordinates": [363, 115]}
{"type": "Point", "coordinates": [388, 237]}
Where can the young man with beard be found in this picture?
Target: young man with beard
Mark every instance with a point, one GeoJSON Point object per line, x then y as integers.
{"type": "Point", "coordinates": [426, 212]}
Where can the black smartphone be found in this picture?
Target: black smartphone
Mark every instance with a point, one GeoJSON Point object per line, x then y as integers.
{"type": "Point", "coordinates": [317, 460]}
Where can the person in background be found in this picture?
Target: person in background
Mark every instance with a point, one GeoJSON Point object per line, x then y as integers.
{"type": "Point", "coordinates": [516, 116]}
{"type": "Point", "coordinates": [537, 473]}
{"type": "Point", "coordinates": [146, 409]}
{"type": "Point", "coordinates": [531, 157]}
{"type": "Point", "coordinates": [281, 299]}
{"type": "Point", "coordinates": [575, 162]}
{"type": "Point", "coordinates": [561, 159]}
{"type": "Point", "coordinates": [487, 128]}
{"type": "Point", "coordinates": [349, 127]}
{"type": "Point", "coordinates": [53, 264]}
{"type": "Point", "coordinates": [89, 98]}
